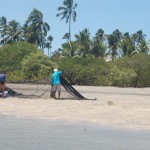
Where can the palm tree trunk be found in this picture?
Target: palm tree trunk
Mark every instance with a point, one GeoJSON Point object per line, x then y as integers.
{"type": "Point", "coordinates": [70, 28]}
{"type": "Point", "coordinates": [48, 52]}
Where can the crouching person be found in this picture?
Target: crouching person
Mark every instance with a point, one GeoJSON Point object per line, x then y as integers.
{"type": "Point", "coordinates": [3, 84]}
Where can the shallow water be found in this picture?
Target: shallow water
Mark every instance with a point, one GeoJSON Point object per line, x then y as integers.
{"type": "Point", "coordinates": [31, 134]}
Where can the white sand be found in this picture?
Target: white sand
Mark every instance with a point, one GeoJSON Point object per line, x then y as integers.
{"type": "Point", "coordinates": [120, 107]}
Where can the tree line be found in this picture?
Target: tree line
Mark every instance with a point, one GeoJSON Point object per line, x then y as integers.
{"type": "Point", "coordinates": [83, 60]}
{"type": "Point", "coordinates": [24, 62]}
{"type": "Point", "coordinates": [35, 31]}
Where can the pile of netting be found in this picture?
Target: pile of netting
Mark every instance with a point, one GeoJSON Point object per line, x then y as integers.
{"type": "Point", "coordinates": [34, 90]}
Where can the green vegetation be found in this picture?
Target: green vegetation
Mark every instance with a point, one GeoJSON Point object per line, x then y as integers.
{"type": "Point", "coordinates": [83, 61]}
{"type": "Point", "coordinates": [24, 61]}
{"type": "Point", "coordinates": [124, 72]}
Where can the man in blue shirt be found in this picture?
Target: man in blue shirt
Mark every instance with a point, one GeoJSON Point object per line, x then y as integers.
{"type": "Point", "coordinates": [56, 84]}
{"type": "Point", "coordinates": [2, 84]}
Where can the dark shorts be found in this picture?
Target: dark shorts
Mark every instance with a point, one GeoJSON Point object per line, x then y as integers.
{"type": "Point", "coordinates": [2, 83]}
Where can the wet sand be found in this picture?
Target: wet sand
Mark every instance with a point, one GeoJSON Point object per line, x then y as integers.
{"type": "Point", "coordinates": [118, 119]}
{"type": "Point", "coordinates": [36, 134]}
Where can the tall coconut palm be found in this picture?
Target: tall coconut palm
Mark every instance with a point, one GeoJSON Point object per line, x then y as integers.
{"type": "Point", "coordinates": [98, 49]}
{"type": "Point", "coordinates": [36, 29]}
{"type": "Point", "coordinates": [3, 27]}
{"type": "Point", "coordinates": [143, 47]}
{"type": "Point", "coordinates": [140, 36]}
{"type": "Point", "coordinates": [126, 44]}
{"type": "Point", "coordinates": [100, 35]}
{"type": "Point", "coordinates": [69, 49]}
{"type": "Point", "coordinates": [66, 50]}
{"type": "Point", "coordinates": [11, 32]}
{"type": "Point", "coordinates": [68, 12]}
{"type": "Point", "coordinates": [14, 29]}
{"type": "Point", "coordinates": [113, 40]}
{"type": "Point", "coordinates": [137, 38]}
{"type": "Point", "coordinates": [84, 42]}
{"type": "Point", "coordinates": [49, 45]}
{"type": "Point", "coordinates": [98, 45]}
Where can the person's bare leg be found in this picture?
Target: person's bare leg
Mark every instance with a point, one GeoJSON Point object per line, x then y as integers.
{"type": "Point", "coordinates": [3, 90]}
{"type": "Point", "coordinates": [0, 86]}
{"type": "Point", "coordinates": [54, 94]}
{"type": "Point", "coordinates": [59, 92]}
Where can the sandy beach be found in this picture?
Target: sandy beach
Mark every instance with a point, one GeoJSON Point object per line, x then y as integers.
{"type": "Point", "coordinates": [117, 119]}
{"type": "Point", "coordinates": [118, 107]}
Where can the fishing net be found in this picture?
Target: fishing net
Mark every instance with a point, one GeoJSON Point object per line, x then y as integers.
{"type": "Point", "coordinates": [34, 90]}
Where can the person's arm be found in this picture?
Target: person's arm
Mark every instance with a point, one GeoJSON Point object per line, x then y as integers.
{"type": "Point", "coordinates": [5, 78]}
{"type": "Point", "coordinates": [60, 73]}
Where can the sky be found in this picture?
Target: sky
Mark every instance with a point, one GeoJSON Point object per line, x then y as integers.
{"type": "Point", "coordinates": [109, 15]}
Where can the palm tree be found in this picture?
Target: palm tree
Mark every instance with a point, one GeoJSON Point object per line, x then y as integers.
{"type": "Point", "coordinates": [68, 13]}
{"type": "Point", "coordinates": [3, 26]}
{"type": "Point", "coordinates": [113, 40]}
{"type": "Point", "coordinates": [66, 36]}
{"type": "Point", "coordinates": [100, 35]}
{"type": "Point", "coordinates": [137, 38]}
{"type": "Point", "coordinates": [65, 51]}
{"type": "Point", "coordinates": [143, 47]}
{"type": "Point", "coordinates": [36, 29]}
{"type": "Point", "coordinates": [98, 45]}
{"type": "Point", "coordinates": [69, 49]}
{"type": "Point", "coordinates": [140, 36]}
{"type": "Point", "coordinates": [48, 45]}
{"type": "Point", "coordinates": [84, 42]}
{"type": "Point", "coordinates": [126, 44]}
{"type": "Point", "coordinates": [98, 49]}
{"type": "Point", "coordinates": [14, 29]}
{"type": "Point", "coordinates": [56, 54]}
{"type": "Point", "coordinates": [11, 32]}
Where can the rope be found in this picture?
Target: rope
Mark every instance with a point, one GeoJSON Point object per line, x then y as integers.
{"type": "Point", "coordinates": [67, 86]}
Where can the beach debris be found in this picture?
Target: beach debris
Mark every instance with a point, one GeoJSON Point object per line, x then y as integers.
{"type": "Point", "coordinates": [110, 103]}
